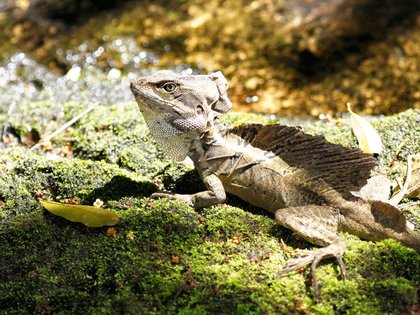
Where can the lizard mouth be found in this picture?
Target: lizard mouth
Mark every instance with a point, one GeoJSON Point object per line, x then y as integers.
{"type": "Point", "coordinates": [135, 89]}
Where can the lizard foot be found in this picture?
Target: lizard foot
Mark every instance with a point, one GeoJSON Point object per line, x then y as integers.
{"type": "Point", "coordinates": [314, 257]}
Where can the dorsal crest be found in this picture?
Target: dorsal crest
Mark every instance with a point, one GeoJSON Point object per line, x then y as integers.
{"type": "Point", "coordinates": [344, 169]}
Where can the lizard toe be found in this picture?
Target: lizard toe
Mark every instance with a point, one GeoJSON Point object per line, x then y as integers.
{"type": "Point", "coordinates": [313, 258]}
{"type": "Point", "coordinates": [296, 264]}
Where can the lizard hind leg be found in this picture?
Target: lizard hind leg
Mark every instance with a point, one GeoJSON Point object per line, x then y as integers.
{"type": "Point", "coordinates": [318, 225]}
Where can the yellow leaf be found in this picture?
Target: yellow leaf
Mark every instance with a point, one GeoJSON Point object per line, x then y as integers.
{"type": "Point", "coordinates": [368, 138]}
{"type": "Point", "coordinates": [88, 215]}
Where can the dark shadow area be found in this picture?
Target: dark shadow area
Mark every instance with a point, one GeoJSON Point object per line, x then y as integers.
{"type": "Point", "coordinates": [68, 12]}
{"type": "Point", "coordinates": [188, 183]}
{"type": "Point", "coordinates": [119, 187]}
{"type": "Point", "coordinates": [346, 32]}
{"type": "Point", "coordinates": [239, 203]}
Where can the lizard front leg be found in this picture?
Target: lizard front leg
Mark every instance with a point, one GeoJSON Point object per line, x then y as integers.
{"type": "Point", "coordinates": [214, 195]}
{"type": "Point", "coordinates": [318, 225]}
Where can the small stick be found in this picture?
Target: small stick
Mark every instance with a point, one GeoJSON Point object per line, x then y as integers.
{"type": "Point", "coordinates": [400, 183]}
{"type": "Point", "coordinates": [397, 152]}
{"type": "Point", "coordinates": [66, 139]}
{"type": "Point", "coordinates": [63, 127]}
{"type": "Point", "coordinates": [408, 204]}
{"type": "Point", "coordinates": [413, 188]}
{"type": "Point", "coordinates": [400, 195]}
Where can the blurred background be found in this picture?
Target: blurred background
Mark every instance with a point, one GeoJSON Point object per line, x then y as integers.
{"type": "Point", "coordinates": [300, 57]}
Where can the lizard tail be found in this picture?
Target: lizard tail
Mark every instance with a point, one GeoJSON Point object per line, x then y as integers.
{"type": "Point", "coordinates": [412, 240]}
{"type": "Point", "coordinates": [377, 220]}
{"type": "Point", "coordinates": [393, 224]}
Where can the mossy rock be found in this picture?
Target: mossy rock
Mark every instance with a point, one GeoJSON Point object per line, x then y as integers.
{"type": "Point", "coordinates": [166, 258]}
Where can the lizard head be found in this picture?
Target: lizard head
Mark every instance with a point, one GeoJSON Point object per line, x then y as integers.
{"type": "Point", "coordinates": [178, 109]}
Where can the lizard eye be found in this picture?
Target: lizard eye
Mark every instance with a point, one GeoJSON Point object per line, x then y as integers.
{"type": "Point", "coordinates": [169, 87]}
{"type": "Point", "coordinates": [200, 110]}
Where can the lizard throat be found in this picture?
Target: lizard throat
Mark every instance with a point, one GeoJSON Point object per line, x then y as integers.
{"type": "Point", "coordinates": [173, 142]}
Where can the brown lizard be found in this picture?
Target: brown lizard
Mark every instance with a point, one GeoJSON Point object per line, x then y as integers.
{"type": "Point", "coordinates": [304, 180]}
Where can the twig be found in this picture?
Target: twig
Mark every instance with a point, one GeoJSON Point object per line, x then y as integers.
{"type": "Point", "coordinates": [400, 183]}
{"type": "Point", "coordinates": [413, 188]}
{"type": "Point", "coordinates": [403, 191]}
{"type": "Point", "coordinates": [408, 204]}
{"type": "Point", "coordinates": [65, 139]}
{"type": "Point", "coordinates": [397, 152]}
{"type": "Point", "coordinates": [63, 127]}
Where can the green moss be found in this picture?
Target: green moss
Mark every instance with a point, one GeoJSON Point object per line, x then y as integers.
{"type": "Point", "coordinates": [30, 174]}
{"type": "Point", "coordinates": [166, 257]}
{"type": "Point", "coordinates": [397, 131]}
{"type": "Point", "coordinates": [236, 118]}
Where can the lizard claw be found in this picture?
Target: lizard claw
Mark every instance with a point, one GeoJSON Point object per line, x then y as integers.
{"type": "Point", "coordinates": [313, 258]}
{"type": "Point", "coordinates": [298, 263]}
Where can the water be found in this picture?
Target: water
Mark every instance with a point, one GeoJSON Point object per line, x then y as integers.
{"type": "Point", "coordinates": [24, 80]}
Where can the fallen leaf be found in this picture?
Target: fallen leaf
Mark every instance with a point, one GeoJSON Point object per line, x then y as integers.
{"type": "Point", "coordinates": [175, 259]}
{"type": "Point", "coordinates": [369, 140]}
{"type": "Point", "coordinates": [235, 240]}
{"type": "Point", "coordinates": [111, 232]}
{"type": "Point", "coordinates": [130, 235]}
{"type": "Point", "coordinates": [254, 260]}
{"type": "Point", "coordinates": [88, 215]}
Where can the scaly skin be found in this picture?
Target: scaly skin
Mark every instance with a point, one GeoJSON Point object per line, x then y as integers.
{"type": "Point", "coordinates": [304, 180]}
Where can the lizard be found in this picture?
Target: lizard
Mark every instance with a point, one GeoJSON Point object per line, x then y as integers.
{"type": "Point", "coordinates": [304, 180]}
